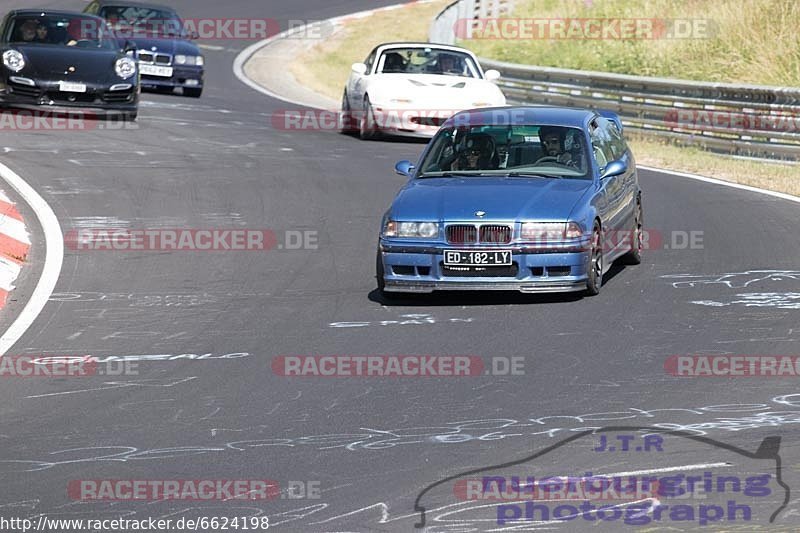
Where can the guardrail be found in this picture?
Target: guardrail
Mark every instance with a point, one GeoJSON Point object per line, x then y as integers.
{"type": "Point", "coordinates": [749, 120]}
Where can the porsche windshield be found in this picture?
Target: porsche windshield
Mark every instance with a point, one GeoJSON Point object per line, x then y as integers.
{"type": "Point", "coordinates": [427, 61]}
{"type": "Point", "coordinates": [516, 151]}
{"type": "Point", "coordinates": [61, 30]}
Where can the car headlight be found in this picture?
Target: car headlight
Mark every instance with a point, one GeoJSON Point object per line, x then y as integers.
{"type": "Point", "coordinates": [13, 60]}
{"type": "Point", "coordinates": [550, 231]}
{"type": "Point", "coordinates": [125, 67]}
{"type": "Point", "coordinates": [189, 60]}
{"type": "Point", "coordinates": [422, 230]}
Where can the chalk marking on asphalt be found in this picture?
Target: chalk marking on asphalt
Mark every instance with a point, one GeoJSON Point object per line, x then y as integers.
{"type": "Point", "coordinates": [53, 259]}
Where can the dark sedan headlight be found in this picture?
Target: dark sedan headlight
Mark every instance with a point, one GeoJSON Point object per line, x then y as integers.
{"type": "Point", "coordinates": [189, 60]}
{"type": "Point", "coordinates": [13, 60]}
{"type": "Point", "coordinates": [419, 230]}
{"type": "Point", "coordinates": [125, 67]}
{"type": "Point", "coordinates": [549, 231]}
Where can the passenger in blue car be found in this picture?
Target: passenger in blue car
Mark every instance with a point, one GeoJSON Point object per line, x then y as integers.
{"type": "Point", "coordinates": [478, 152]}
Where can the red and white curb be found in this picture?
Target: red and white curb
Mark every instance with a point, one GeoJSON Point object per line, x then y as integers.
{"type": "Point", "coordinates": [14, 245]}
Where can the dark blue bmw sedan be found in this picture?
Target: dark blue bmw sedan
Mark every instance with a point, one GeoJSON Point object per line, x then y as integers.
{"type": "Point", "coordinates": [530, 199]}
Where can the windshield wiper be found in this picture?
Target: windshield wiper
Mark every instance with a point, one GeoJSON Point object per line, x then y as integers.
{"type": "Point", "coordinates": [516, 174]}
{"type": "Point", "coordinates": [451, 174]}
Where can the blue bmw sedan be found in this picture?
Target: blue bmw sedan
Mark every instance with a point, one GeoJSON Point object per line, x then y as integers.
{"type": "Point", "coordinates": [530, 199]}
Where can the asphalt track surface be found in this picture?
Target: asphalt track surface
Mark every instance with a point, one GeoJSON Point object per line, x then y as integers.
{"type": "Point", "coordinates": [372, 444]}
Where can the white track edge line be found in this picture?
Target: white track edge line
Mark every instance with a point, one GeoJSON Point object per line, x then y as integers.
{"type": "Point", "coordinates": [750, 188]}
{"type": "Point", "coordinates": [54, 258]}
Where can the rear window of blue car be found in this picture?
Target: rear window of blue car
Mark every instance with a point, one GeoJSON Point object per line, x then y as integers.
{"type": "Point", "coordinates": [489, 150]}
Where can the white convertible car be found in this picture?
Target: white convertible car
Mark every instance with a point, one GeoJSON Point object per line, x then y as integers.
{"type": "Point", "coordinates": [410, 89]}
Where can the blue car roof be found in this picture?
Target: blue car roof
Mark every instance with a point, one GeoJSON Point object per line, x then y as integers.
{"type": "Point", "coordinates": [549, 116]}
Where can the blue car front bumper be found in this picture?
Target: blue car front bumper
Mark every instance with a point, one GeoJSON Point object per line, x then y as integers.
{"type": "Point", "coordinates": [421, 269]}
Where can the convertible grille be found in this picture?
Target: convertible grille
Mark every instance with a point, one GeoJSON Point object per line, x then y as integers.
{"type": "Point", "coordinates": [462, 234]}
{"type": "Point", "coordinates": [496, 234]}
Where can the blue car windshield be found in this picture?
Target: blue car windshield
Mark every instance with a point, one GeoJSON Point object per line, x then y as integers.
{"type": "Point", "coordinates": [508, 150]}
{"type": "Point", "coordinates": [61, 30]}
{"type": "Point", "coordinates": [130, 22]}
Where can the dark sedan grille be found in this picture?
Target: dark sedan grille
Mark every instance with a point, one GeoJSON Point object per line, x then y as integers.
{"type": "Point", "coordinates": [496, 234]}
{"type": "Point", "coordinates": [158, 59]}
{"type": "Point", "coordinates": [469, 234]}
{"type": "Point", "coordinates": [462, 234]}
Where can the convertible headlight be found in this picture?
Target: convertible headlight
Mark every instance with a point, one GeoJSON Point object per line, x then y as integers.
{"type": "Point", "coordinates": [422, 230]}
{"type": "Point", "coordinates": [550, 231]}
{"type": "Point", "coordinates": [189, 60]}
{"type": "Point", "coordinates": [125, 67]}
{"type": "Point", "coordinates": [13, 60]}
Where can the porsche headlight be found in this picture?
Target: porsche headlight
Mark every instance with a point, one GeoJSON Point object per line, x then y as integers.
{"type": "Point", "coordinates": [549, 231]}
{"type": "Point", "coordinates": [125, 67]}
{"type": "Point", "coordinates": [181, 59]}
{"type": "Point", "coordinates": [420, 230]}
{"type": "Point", "coordinates": [13, 60]}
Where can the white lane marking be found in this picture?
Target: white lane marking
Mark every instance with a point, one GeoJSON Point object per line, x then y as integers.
{"type": "Point", "coordinates": [698, 466]}
{"type": "Point", "coordinates": [781, 195]}
{"type": "Point", "coordinates": [54, 257]}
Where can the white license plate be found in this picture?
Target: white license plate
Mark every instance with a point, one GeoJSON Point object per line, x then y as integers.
{"type": "Point", "coordinates": [70, 87]}
{"type": "Point", "coordinates": [153, 70]}
{"type": "Point", "coordinates": [477, 257]}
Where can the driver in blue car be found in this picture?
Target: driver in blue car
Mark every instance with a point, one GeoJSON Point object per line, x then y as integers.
{"type": "Point", "coordinates": [552, 140]}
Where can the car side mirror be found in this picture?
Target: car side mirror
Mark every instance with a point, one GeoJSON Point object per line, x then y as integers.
{"type": "Point", "coordinates": [491, 75]}
{"type": "Point", "coordinates": [193, 35]}
{"type": "Point", "coordinates": [359, 68]}
{"type": "Point", "coordinates": [615, 168]}
{"type": "Point", "coordinates": [404, 168]}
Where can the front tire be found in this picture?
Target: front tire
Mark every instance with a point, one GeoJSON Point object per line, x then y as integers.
{"type": "Point", "coordinates": [192, 92]}
{"type": "Point", "coordinates": [634, 257]}
{"type": "Point", "coordinates": [368, 127]}
{"type": "Point", "coordinates": [595, 280]}
{"type": "Point", "coordinates": [346, 116]}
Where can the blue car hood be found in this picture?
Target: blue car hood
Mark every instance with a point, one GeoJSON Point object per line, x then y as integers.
{"type": "Point", "coordinates": [501, 198]}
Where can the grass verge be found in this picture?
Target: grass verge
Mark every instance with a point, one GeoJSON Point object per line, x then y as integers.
{"type": "Point", "coordinates": [736, 41]}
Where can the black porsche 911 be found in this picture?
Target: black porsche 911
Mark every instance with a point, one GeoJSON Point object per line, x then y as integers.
{"type": "Point", "coordinates": [167, 57]}
{"type": "Point", "coordinates": [60, 61]}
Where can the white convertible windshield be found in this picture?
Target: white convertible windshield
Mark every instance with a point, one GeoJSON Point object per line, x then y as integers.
{"type": "Point", "coordinates": [427, 61]}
